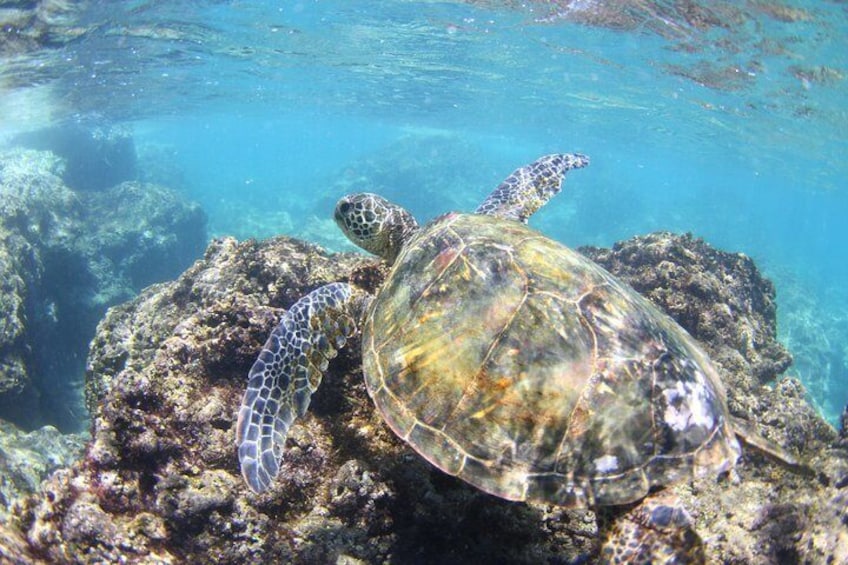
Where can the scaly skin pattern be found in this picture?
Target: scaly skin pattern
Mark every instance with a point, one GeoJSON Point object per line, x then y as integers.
{"type": "Point", "coordinates": [287, 372]}
{"type": "Point", "coordinates": [375, 224]}
{"type": "Point", "coordinates": [530, 187]}
{"type": "Point", "coordinates": [655, 532]}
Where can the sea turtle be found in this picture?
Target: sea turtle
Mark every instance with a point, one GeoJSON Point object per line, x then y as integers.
{"type": "Point", "coordinates": [508, 360]}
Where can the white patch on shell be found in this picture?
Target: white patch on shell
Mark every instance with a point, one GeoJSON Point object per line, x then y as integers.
{"type": "Point", "coordinates": [689, 404]}
{"type": "Point", "coordinates": [606, 464]}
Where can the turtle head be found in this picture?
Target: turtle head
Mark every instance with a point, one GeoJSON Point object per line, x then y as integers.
{"type": "Point", "coordinates": [375, 224]}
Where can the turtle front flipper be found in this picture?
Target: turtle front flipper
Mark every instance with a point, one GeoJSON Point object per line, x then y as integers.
{"type": "Point", "coordinates": [529, 188]}
{"type": "Point", "coordinates": [287, 372]}
{"type": "Point", "coordinates": [657, 530]}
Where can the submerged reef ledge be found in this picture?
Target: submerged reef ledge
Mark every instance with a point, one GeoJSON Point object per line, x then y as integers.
{"type": "Point", "coordinates": [159, 481]}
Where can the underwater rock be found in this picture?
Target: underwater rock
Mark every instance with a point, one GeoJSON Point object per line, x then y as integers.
{"type": "Point", "coordinates": [65, 257]}
{"type": "Point", "coordinates": [729, 307]}
{"type": "Point", "coordinates": [718, 297]}
{"type": "Point", "coordinates": [27, 458]}
{"type": "Point", "coordinates": [160, 481]}
{"type": "Point", "coordinates": [13, 372]}
{"type": "Point", "coordinates": [96, 156]}
{"type": "Point", "coordinates": [37, 211]}
{"type": "Point", "coordinates": [145, 232]}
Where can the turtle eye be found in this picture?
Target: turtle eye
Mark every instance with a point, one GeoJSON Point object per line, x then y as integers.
{"type": "Point", "coordinates": [342, 213]}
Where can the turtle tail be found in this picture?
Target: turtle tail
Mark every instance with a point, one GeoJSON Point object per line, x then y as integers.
{"type": "Point", "coordinates": [287, 372]}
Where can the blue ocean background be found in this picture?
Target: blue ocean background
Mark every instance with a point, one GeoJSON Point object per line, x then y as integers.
{"type": "Point", "coordinates": [726, 120]}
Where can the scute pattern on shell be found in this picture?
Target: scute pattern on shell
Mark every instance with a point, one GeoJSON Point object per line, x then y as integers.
{"type": "Point", "coordinates": [527, 370]}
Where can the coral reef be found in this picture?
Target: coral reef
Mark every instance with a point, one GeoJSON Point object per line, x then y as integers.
{"type": "Point", "coordinates": [65, 257]}
{"type": "Point", "coordinates": [26, 459]}
{"type": "Point", "coordinates": [159, 481]}
{"type": "Point", "coordinates": [145, 232]}
{"type": "Point", "coordinates": [843, 430]}
{"type": "Point", "coordinates": [13, 374]}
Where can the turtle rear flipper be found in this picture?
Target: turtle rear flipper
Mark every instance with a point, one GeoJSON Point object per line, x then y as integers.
{"type": "Point", "coordinates": [287, 372]}
{"type": "Point", "coordinates": [748, 434]}
{"type": "Point", "coordinates": [657, 530]}
{"type": "Point", "coordinates": [529, 188]}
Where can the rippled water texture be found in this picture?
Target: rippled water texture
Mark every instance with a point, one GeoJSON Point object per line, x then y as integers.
{"type": "Point", "coordinates": [724, 119]}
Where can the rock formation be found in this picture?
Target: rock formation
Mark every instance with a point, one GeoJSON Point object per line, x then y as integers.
{"type": "Point", "coordinates": [65, 257]}
{"type": "Point", "coordinates": [159, 481]}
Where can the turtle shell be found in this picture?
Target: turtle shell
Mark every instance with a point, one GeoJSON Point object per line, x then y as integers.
{"type": "Point", "coordinates": [527, 370]}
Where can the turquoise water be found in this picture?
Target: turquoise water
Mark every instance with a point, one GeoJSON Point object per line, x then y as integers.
{"type": "Point", "coordinates": [728, 122]}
